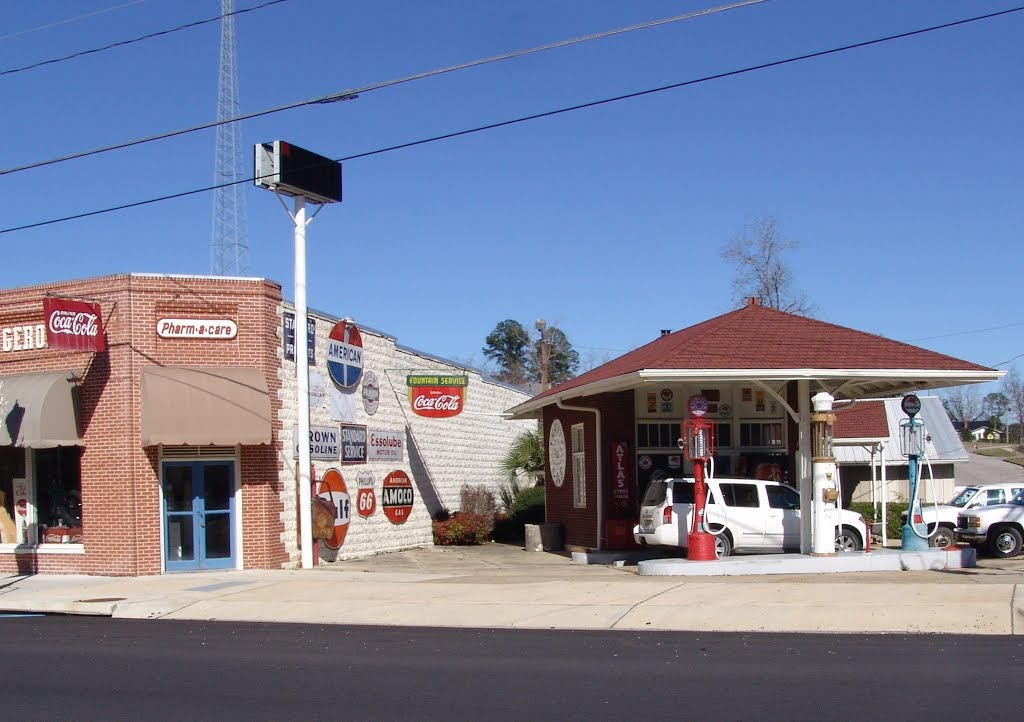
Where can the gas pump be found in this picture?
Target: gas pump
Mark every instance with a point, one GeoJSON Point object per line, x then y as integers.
{"type": "Point", "coordinates": [698, 444]}
{"type": "Point", "coordinates": [824, 491]}
{"type": "Point", "coordinates": [912, 445]}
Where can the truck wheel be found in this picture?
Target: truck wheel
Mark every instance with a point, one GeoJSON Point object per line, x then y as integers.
{"type": "Point", "coordinates": [1004, 542]}
{"type": "Point", "coordinates": [723, 547]}
{"type": "Point", "coordinates": [942, 538]}
{"type": "Point", "coordinates": [848, 540]}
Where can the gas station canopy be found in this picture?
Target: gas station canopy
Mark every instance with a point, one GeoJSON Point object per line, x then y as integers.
{"type": "Point", "coordinates": [760, 344]}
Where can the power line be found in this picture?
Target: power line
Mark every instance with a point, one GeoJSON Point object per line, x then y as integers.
{"type": "Point", "coordinates": [131, 41]}
{"type": "Point", "coordinates": [68, 21]}
{"type": "Point", "coordinates": [523, 119]}
{"type": "Point", "coordinates": [967, 333]}
{"type": "Point", "coordinates": [349, 94]}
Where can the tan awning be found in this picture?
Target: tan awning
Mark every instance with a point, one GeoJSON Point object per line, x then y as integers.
{"type": "Point", "coordinates": [38, 411]}
{"type": "Point", "coordinates": [204, 405]}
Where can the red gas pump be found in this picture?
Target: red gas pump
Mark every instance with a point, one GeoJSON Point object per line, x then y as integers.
{"type": "Point", "coordinates": [698, 443]}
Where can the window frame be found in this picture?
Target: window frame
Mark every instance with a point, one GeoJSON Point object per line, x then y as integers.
{"type": "Point", "coordinates": [578, 438]}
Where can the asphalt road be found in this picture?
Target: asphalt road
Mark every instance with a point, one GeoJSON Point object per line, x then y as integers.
{"type": "Point", "coordinates": [89, 668]}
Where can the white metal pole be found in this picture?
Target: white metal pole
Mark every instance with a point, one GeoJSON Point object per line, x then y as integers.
{"type": "Point", "coordinates": [885, 499]}
{"type": "Point", "coordinates": [302, 384]}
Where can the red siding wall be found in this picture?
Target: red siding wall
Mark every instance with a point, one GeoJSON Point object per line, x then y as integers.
{"type": "Point", "coordinates": [580, 525]}
{"type": "Point", "coordinates": [120, 492]}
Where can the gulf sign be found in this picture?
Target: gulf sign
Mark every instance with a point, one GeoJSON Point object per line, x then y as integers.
{"type": "Point", "coordinates": [332, 488]}
{"type": "Point", "coordinates": [345, 355]}
{"type": "Point", "coordinates": [397, 496]}
{"type": "Point", "coordinates": [437, 396]}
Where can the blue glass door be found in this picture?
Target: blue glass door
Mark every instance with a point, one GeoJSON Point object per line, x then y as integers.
{"type": "Point", "coordinates": [199, 515]}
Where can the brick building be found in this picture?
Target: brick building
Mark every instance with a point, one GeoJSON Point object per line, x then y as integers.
{"type": "Point", "coordinates": [165, 447]}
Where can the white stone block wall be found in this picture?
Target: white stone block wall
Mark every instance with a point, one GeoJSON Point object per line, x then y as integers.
{"type": "Point", "coordinates": [440, 455]}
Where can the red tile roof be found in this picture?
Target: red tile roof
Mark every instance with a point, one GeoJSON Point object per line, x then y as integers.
{"type": "Point", "coordinates": [864, 420]}
{"type": "Point", "coordinates": [758, 337]}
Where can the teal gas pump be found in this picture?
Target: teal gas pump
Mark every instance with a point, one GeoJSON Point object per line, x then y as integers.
{"type": "Point", "coordinates": [912, 445]}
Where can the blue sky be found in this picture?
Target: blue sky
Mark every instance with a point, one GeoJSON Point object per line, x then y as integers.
{"type": "Point", "coordinates": [896, 167]}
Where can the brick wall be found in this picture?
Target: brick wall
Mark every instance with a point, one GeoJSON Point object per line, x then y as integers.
{"type": "Point", "coordinates": [440, 455]}
{"type": "Point", "coordinates": [120, 492]}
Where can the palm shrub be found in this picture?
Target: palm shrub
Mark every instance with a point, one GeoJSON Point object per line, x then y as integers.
{"type": "Point", "coordinates": [525, 456]}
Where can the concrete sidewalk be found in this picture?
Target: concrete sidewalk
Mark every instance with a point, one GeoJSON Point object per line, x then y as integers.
{"type": "Point", "coordinates": [499, 586]}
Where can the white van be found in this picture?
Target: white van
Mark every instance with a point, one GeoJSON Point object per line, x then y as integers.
{"type": "Point", "coordinates": [747, 515]}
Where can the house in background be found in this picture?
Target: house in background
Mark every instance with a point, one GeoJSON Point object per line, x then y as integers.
{"type": "Point", "coordinates": [866, 441]}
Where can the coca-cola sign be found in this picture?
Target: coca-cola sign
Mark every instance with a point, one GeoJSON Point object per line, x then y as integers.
{"type": "Point", "coordinates": [73, 325]}
{"type": "Point", "coordinates": [437, 396]}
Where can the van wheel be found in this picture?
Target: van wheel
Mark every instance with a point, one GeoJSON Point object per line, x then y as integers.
{"type": "Point", "coordinates": [848, 540]}
{"type": "Point", "coordinates": [942, 538]}
{"type": "Point", "coordinates": [723, 547]}
{"type": "Point", "coordinates": [1004, 542]}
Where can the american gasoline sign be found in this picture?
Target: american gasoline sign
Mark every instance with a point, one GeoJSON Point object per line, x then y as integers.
{"type": "Point", "coordinates": [397, 496]}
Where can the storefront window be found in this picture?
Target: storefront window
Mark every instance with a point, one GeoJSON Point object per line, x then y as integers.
{"type": "Point", "coordinates": [12, 467]}
{"type": "Point", "coordinates": [760, 434]}
{"type": "Point", "coordinates": [58, 484]}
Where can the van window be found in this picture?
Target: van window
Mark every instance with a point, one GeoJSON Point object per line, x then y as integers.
{"type": "Point", "coordinates": [682, 493]}
{"type": "Point", "coordinates": [741, 495]}
{"type": "Point", "coordinates": [655, 493]}
{"type": "Point", "coordinates": [782, 497]}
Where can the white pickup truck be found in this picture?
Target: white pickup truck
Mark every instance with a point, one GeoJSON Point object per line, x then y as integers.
{"type": "Point", "coordinates": [999, 527]}
{"type": "Point", "coordinates": [941, 518]}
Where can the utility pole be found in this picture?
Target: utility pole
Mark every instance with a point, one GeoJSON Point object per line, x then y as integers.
{"type": "Point", "coordinates": [541, 326]}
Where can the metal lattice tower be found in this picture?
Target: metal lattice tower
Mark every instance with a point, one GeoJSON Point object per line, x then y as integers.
{"type": "Point", "coordinates": [229, 250]}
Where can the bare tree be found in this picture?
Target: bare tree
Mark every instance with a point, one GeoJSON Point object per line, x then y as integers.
{"type": "Point", "coordinates": [963, 405]}
{"type": "Point", "coordinates": [1013, 387]}
{"type": "Point", "coordinates": [761, 272]}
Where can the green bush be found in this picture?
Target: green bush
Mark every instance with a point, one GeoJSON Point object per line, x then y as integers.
{"type": "Point", "coordinates": [893, 510]}
{"type": "Point", "coordinates": [461, 529]}
{"type": "Point", "coordinates": [527, 508]}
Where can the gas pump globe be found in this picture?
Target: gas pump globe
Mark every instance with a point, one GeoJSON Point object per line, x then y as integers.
{"type": "Point", "coordinates": [823, 477]}
{"type": "Point", "coordinates": [912, 443]}
{"type": "Point", "coordinates": [698, 444]}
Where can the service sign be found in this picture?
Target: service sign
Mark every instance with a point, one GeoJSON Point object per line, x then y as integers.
{"type": "Point", "coordinates": [437, 396]}
{"type": "Point", "coordinates": [385, 445]}
{"type": "Point", "coordinates": [353, 444]}
{"type": "Point", "coordinates": [397, 497]}
{"type": "Point", "coordinates": [289, 338]}
{"type": "Point", "coordinates": [73, 325]}
{"type": "Point", "coordinates": [323, 442]}
{"type": "Point", "coordinates": [345, 355]}
{"type": "Point", "coordinates": [332, 488]}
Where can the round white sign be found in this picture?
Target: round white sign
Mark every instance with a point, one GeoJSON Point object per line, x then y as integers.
{"type": "Point", "coordinates": [371, 392]}
{"type": "Point", "coordinates": [556, 452]}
